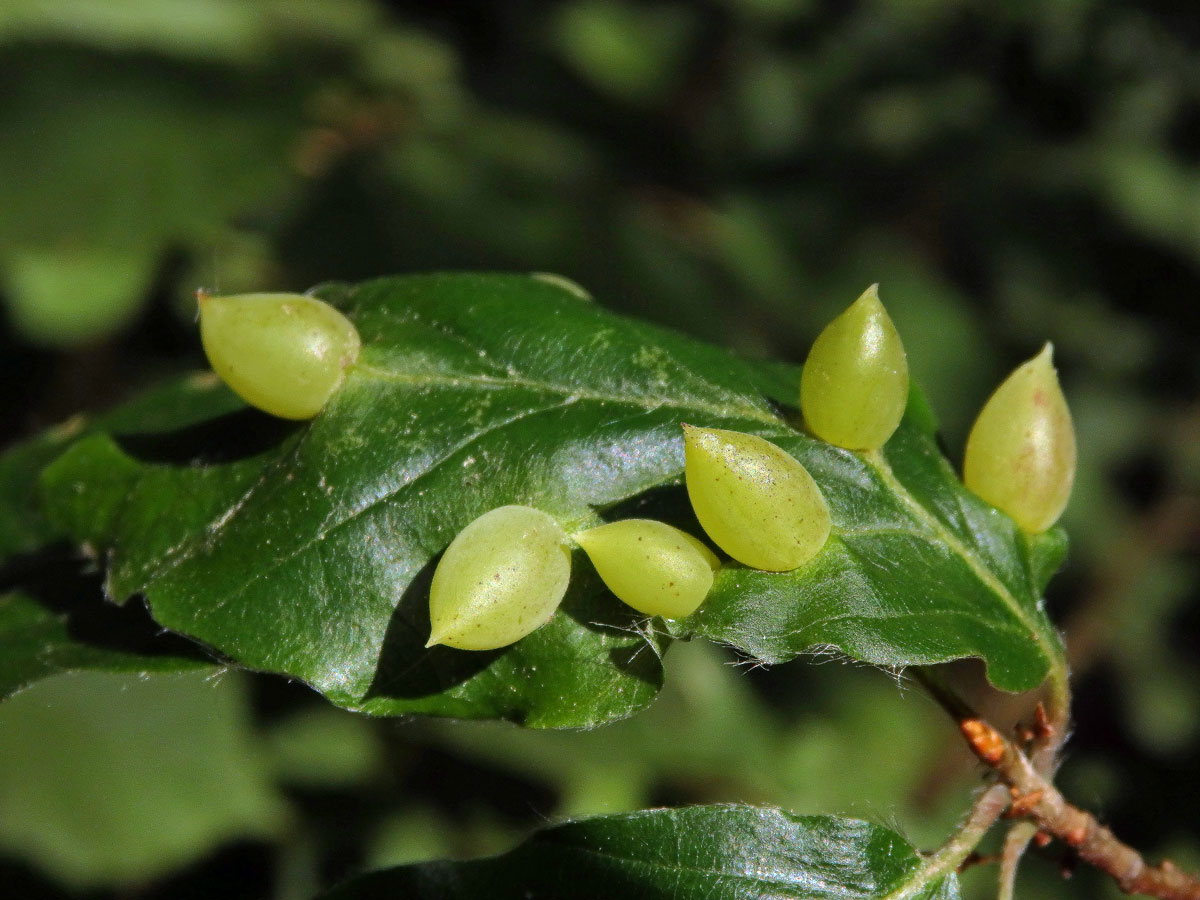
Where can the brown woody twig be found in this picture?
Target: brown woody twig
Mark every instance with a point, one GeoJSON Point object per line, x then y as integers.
{"type": "Point", "coordinates": [1036, 798]}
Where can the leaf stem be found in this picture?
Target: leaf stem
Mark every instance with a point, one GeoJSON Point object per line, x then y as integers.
{"type": "Point", "coordinates": [1054, 730]}
{"type": "Point", "coordinates": [1049, 737]}
{"type": "Point", "coordinates": [946, 859]}
{"type": "Point", "coordinates": [1015, 842]}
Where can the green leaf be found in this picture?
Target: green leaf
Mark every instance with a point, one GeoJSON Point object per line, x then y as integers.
{"type": "Point", "coordinates": [717, 852]}
{"type": "Point", "coordinates": [206, 30]}
{"type": "Point", "coordinates": [308, 549]}
{"type": "Point", "coordinates": [919, 571]}
{"type": "Point", "coordinates": [182, 163]}
{"type": "Point", "coordinates": [54, 616]}
{"type": "Point", "coordinates": [114, 780]}
{"type": "Point", "coordinates": [69, 296]}
{"type": "Point", "coordinates": [45, 633]}
{"type": "Point", "coordinates": [633, 53]}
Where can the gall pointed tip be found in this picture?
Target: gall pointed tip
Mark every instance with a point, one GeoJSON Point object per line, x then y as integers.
{"type": "Point", "coordinates": [1041, 366]}
{"type": "Point", "coordinates": [868, 302]}
{"type": "Point", "coordinates": [698, 439]}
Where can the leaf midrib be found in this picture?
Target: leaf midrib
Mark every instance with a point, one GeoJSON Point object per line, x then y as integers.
{"type": "Point", "coordinates": [569, 394]}
{"type": "Point", "coordinates": [647, 402]}
{"type": "Point", "coordinates": [742, 877]}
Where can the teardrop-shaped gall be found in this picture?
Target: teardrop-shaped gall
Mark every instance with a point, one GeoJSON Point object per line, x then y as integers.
{"type": "Point", "coordinates": [756, 502]}
{"type": "Point", "coordinates": [655, 568]}
{"type": "Point", "coordinates": [854, 386]}
{"type": "Point", "coordinates": [283, 353]}
{"type": "Point", "coordinates": [1021, 450]}
{"type": "Point", "coordinates": [500, 579]}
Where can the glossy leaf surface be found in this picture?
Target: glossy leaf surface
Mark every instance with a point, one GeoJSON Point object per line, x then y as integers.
{"type": "Point", "coordinates": [308, 549]}
{"type": "Point", "coordinates": [54, 616]}
{"type": "Point", "coordinates": [718, 852]}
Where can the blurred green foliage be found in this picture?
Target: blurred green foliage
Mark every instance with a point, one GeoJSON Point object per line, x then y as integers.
{"type": "Point", "coordinates": [110, 779]}
{"type": "Point", "coordinates": [738, 169]}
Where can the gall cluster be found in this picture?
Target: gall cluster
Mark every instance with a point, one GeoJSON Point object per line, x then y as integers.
{"type": "Point", "coordinates": [504, 575]}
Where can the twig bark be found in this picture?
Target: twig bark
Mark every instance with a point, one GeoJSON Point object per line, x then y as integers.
{"type": "Point", "coordinates": [1015, 842]}
{"type": "Point", "coordinates": [1035, 797]}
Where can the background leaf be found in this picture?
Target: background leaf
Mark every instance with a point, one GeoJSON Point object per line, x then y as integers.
{"type": "Point", "coordinates": [721, 852]}
{"type": "Point", "coordinates": [307, 549]}
{"type": "Point", "coordinates": [114, 779]}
